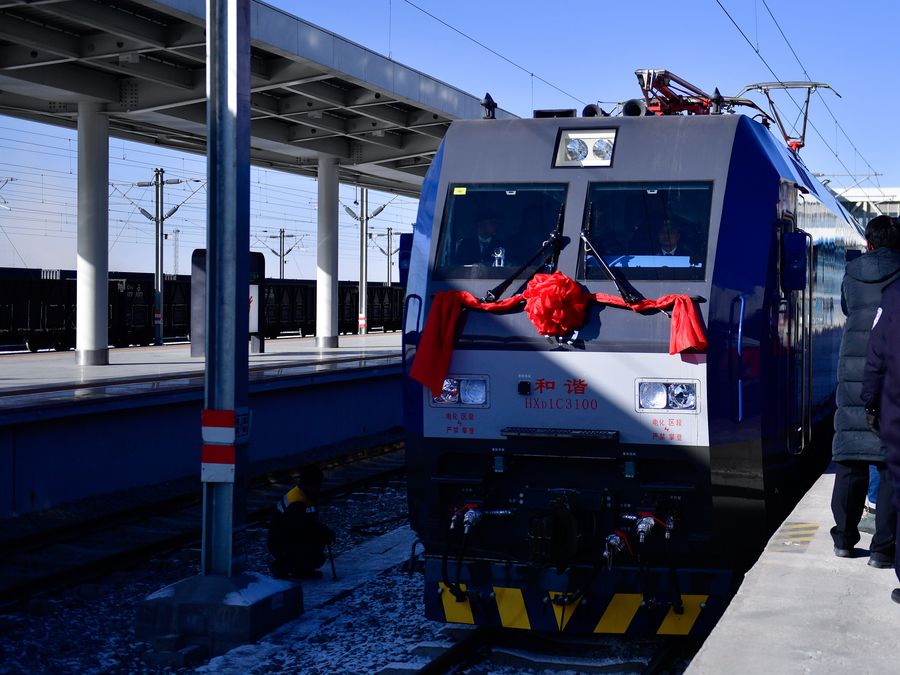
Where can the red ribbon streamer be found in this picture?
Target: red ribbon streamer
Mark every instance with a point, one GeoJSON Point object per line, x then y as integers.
{"type": "Point", "coordinates": [556, 305]}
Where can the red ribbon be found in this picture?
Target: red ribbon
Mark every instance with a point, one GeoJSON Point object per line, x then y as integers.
{"type": "Point", "coordinates": [556, 305]}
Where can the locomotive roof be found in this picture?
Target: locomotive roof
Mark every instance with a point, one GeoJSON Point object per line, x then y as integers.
{"type": "Point", "coordinates": [686, 147]}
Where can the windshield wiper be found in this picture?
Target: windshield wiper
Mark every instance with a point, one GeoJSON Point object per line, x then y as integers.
{"type": "Point", "coordinates": [629, 297]}
{"type": "Point", "coordinates": [556, 241]}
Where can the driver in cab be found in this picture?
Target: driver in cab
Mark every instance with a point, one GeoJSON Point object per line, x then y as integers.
{"type": "Point", "coordinates": [670, 242]}
{"type": "Point", "coordinates": [482, 248]}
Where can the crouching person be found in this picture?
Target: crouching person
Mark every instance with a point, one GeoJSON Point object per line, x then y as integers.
{"type": "Point", "coordinates": [297, 538]}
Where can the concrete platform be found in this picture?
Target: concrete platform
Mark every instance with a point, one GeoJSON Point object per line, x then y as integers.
{"type": "Point", "coordinates": [53, 379]}
{"type": "Point", "coordinates": [803, 610]}
{"type": "Point", "coordinates": [70, 432]}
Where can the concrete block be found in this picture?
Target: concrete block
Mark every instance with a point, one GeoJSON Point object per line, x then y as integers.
{"type": "Point", "coordinates": [217, 612]}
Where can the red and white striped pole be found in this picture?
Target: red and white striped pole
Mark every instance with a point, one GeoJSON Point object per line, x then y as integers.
{"type": "Point", "coordinates": [226, 419]}
{"type": "Point", "coordinates": [217, 453]}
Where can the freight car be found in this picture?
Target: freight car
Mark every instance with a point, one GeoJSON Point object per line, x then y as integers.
{"type": "Point", "coordinates": [37, 308]}
{"type": "Point", "coordinates": [607, 415]}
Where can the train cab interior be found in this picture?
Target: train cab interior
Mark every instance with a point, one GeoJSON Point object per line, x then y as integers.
{"type": "Point", "coordinates": [653, 231]}
{"type": "Point", "coordinates": [491, 229]}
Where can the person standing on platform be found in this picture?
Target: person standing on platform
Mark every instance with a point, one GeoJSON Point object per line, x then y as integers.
{"type": "Point", "coordinates": [854, 446]}
{"type": "Point", "coordinates": [881, 393]}
{"type": "Point", "coordinates": [297, 539]}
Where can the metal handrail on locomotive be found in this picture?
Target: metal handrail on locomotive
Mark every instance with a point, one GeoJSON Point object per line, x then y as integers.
{"type": "Point", "coordinates": [588, 480]}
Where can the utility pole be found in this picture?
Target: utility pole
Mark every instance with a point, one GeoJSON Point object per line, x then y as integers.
{"type": "Point", "coordinates": [364, 217]}
{"type": "Point", "coordinates": [158, 220]}
{"type": "Point", "coordinates": [158, 277]}
{"type": "Point", "coordinates": [281, 253]}
{"type": "Point", "coordinates": [175, 234]}
{"type": "Point", "coordinates": [363, 260]}
{"type": "Point", "coordinates": [223, 606]}
{"type": "Point", "coordinates": [388, 252]}
{"type": "Point", "coordinates": [389, 256]}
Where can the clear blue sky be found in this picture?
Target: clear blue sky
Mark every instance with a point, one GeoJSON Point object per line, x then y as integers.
{"type": "Point", "coordinates": [587, 49]}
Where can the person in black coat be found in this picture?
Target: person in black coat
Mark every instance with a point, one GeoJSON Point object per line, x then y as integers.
{"type": "Point", "coordinates": [670, 242]}
{"type": "Point", "coordinates": [854, 446]}
{"type": "Point", "coordinates": [881, 392]}
{"type": "Point", "coordinates": [297, 539]}
{"type": "Point", "coordinates": [480, 248]}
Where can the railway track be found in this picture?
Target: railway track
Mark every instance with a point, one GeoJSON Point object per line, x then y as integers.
{"type": "Point", "coordinates": [52, 558]}
{"type": "Point", "coordinates": [478, 648]}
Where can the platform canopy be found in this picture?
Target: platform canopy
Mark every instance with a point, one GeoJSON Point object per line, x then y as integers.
{"type": "Point", "coordinates": [868, 202]}
{"type": "Point", "coordinates": [314, 93]}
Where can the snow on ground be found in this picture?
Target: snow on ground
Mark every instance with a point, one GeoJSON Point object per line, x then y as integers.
{"type": "Point", "coordinates": [90, 629]}
{"type": "Point", "coordinates": [377, 625]}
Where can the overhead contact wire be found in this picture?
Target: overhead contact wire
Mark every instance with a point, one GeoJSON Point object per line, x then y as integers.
{"type": "Point", "coordinates": [822, 98]}
{"type": "Point", "coordinates": [778, 79]}
{"type": "Point", "coordinates": [494, 52]}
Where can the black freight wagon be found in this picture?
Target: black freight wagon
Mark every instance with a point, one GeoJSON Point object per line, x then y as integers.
{"type": "Point", "coordinates": [37, 308]}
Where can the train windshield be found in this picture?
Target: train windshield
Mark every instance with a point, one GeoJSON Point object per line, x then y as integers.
{"type": "Point", "coordinates": [648, 230]}
{"type": "Point", "coordinates": [490, 230]}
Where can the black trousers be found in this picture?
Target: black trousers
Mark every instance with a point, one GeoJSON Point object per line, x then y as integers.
{"type": "Point", "coordinates": [896, 547]}
{"type": "Point", "coordinates": [851, 483]}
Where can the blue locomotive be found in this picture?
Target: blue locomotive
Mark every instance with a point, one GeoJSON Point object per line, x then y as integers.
{"type": "Point", "coordinates": [590, 480]}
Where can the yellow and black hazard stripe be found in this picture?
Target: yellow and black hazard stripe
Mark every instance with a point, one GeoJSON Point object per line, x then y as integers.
{"type": "Point", "coordinates": [793, 537]}
{"type": "Point", "coordinates": [619, 614]}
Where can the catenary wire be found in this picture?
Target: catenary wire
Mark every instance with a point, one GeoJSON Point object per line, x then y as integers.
{"type": "Point", "coordinates": [822, 98]}
{"type": "Point", "coordinates": [778, 79]}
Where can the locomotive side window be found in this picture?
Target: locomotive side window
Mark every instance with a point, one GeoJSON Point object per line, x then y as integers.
{"type": "Point", "coordinates": [488, 231]}
{"type": "Point", "coordinates": [648, 230]}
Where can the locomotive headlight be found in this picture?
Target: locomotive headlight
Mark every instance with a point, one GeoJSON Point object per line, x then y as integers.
{"type": "Point", "coordinates": [603, 148]}
{"type": "Point", "coordinates": [652, 395]}
{"type": "Point", "coordinates": [661, 395]}
{"type": "Point", "coordinates": [463, 391]}
{"type": "Point", "coordinates": [576, 150]}
{"type": "Point", "coordinates": [473, 392]}
{"type": "Point", "coordinates": [585, 147]}
{"type": "Point", "coordinates": [682, 395]}
{"type": "Point", "coordinates": [450, 391]}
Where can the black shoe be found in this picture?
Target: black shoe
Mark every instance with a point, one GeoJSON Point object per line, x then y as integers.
{"type": "Point", "coordinates": [880, 562]}
{"type": "Point", "coordinates": [895, 595]}
{"type": "Point", "coordinates": [843, 552]}
{"type": "Point", "coordinates": [309, 574]}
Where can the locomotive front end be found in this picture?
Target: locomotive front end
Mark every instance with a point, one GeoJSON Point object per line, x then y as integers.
{"type": "Point", "coordinates": [559, 452]}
